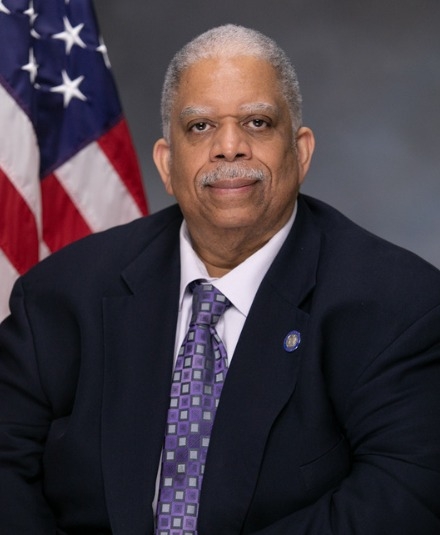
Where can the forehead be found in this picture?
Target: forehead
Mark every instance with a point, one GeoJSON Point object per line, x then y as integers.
{"type": "Point", "coordinates": [237, 80]}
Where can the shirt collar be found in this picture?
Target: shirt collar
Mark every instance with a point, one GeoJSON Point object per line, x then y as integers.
{"type": "Point", "coordinates": [241, 283]}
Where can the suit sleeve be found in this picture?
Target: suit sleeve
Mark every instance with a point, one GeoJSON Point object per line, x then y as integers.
{"type": "Point", "coordinates": [392, 422]}
{"type": "Point", "coordinates": [25, 416]}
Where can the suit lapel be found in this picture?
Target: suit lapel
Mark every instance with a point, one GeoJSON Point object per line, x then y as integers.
{"type": "Point", "coordinates": [139, 347]}
{"type": "Point", "coordinates": [260, 381]}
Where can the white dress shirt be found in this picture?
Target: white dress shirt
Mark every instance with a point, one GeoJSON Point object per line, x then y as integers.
{"type": "Point", "coordinates": [239, 285]}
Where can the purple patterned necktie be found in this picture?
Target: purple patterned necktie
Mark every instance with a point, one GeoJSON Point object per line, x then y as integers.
{"type": "Point", "coordinates": [199, 373]}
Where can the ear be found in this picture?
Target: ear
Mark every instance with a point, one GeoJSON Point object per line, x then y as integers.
{"type": "Point", "coordinates": [305, 145]}
{"type": "Point", "coordinates": [162, 158]}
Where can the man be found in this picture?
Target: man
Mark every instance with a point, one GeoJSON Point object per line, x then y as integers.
{"type": "Point", "coordinates": [328, 420]}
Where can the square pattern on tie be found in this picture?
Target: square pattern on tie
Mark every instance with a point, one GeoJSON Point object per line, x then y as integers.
{"type": "Point", "coordinates": [200, 370]}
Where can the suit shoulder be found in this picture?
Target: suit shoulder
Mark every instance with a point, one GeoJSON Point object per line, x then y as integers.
{"type": "Point", "coordinates": [358, 258]}
{"type": "Point", "coordinates": [347, 238]}
{"type": "Point", "coordinates": [105, 251]}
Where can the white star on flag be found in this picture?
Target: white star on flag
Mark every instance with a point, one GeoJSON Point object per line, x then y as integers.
{"type": "Point", "coordinates": [4, 9]}
{"type": "Point", "coordinates": [32, 66]}
{"type": "Point", "coordinates": [30, 12]}
{"type": "Point", "coordinates": [70, 35]}
{"type": "Point", "coordinates": [69, 88]}
{"type": "Point", "coordinates": [103, 49]}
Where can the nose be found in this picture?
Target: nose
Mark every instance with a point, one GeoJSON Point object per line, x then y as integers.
{"type": "Point", "coordinates": [230, 144]}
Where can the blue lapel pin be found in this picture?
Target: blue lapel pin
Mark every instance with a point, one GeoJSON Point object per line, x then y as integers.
{"type": "Point", "coordinates": [292, 341]}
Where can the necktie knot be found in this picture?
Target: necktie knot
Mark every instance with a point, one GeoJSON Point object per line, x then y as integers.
{"type": "Point", "coordinates": [208, 303]}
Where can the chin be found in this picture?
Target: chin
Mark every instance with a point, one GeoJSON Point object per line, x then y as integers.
{"type": "Point", "coordinates": [234, 219]}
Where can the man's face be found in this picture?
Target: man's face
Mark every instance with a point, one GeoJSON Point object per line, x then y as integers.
{"type": "Point", "coordinates": [232, 162]}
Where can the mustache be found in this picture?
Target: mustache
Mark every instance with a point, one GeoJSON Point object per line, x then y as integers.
{"type": "Point", "coordinates": [232, 170]}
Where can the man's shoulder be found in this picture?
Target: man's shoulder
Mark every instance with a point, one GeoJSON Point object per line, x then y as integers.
{"type": "Point", "coordinates": [109, 250]}
{"type": "Point", "coordinates": [353, 259]}
{"type": "Point", "coordinates": [345, 238]}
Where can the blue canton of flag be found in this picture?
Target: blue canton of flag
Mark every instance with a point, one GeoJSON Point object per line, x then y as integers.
{"type": "Point", "coordinates": [54, 65]}
{"type": "Point", "coordinates": [67, 163]}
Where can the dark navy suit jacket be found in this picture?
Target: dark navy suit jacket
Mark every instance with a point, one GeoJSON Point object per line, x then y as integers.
{"type": "Point", "coordinates": [339, 437]}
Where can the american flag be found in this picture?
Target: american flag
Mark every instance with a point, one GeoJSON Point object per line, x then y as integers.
{"type": "Point", "coordinates": [67, 163]}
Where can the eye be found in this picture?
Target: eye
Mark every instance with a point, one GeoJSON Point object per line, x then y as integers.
{"type": "Point", "coordinates": [200, 126]}
{"type": "Point", "coordinates": [258, 124]}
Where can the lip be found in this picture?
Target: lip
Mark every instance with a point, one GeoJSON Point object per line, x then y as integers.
{"type": "Point", "coordinates": [233, 183]}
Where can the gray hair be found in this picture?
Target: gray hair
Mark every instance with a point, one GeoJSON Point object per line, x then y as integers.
{"type": "Point", "coordinates": [229, 41]}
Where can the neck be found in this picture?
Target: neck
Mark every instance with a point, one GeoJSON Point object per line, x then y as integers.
{"type": "Point", "coordinates": [224, 251]}
{"type": "Point", "coordinates": [222, 248]}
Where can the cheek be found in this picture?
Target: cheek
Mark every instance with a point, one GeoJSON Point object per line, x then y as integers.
{"type": "Point", "coordinates": [285, 169]}
{"type": "Point", "coordinates": [184, 169]}
{"type": "Point", "coordinates": [181, 181]}
{"type": "Point", "coordinates": [285, 182]}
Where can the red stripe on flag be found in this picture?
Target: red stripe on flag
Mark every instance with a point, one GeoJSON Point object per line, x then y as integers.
{"type": "Point", "coordinates": [18, 229]}
{"type": "Point", "coordinates": [62, 222]}
{"type": "Point", "coordinates": [118, 147]}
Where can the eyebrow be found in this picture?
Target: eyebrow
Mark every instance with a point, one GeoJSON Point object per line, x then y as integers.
{"type": "Point", "coordinates": [190, 111]}
{"type": "Point", "coordinates": [254, 107]}
{"type": "Point", "coordinates": [259, 107]}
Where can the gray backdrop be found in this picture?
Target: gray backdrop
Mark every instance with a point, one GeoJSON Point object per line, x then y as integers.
{"type": "Point", "coordinates": [370, 77]}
